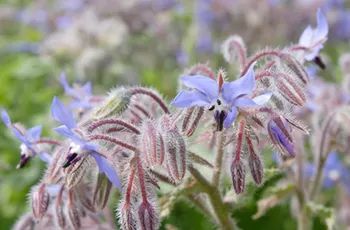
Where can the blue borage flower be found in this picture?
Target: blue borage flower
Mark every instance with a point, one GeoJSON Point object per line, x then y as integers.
{"type": "Point", "coordinates": [312, 39]}
{"type": "Point", "coordinates": [79, 144]}
{"type": "Point", "coordinates": [81, 95]}
{"type": "Point", "coordinates": [28, 139]}
{"type": "Point", "coordinates": [224, 98]}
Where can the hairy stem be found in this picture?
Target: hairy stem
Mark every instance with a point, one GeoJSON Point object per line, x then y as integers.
{"type": "Point", "coordinates": [220, 209]}
{"type": "Point", "coordinates": [218, 158]}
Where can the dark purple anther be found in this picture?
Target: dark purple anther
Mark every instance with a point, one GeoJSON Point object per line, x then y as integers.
{"type": "Point", "coordinates": [318, 61]}
{"type": "Point", "coordinates": [219, 118]}
{"type": "Point", "coordinates": [23, 161]}
{"type": "Point", "coordinates": [71, 159]}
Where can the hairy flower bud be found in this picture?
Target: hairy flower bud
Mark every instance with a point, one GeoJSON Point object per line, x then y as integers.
{"type": "Point", "coordinates": [127, 217]}
{"type": "Point", "coordinates": [152, 144]}
{"type": "Point", "coordinates": [175, 155]}
{"type": "Point", "coordinates": [295, 67]}
{"type": "Point", "coordinates": [148, 217]}
{"type": "Point", "coordinates": [73, 212]}
{"type": "Point", "coordinates": [101, 193]}
{"type": "Point", "coordinates": [40, 201]}
{"type": "Point", "coordinates": [290, 90]}
{"type": "Point", "coordinates": [234, 47]}
{"type": "Point", "coordinates": [280, 137]}
{"type": "Point", "coordinates": [238, 175]}
{"type": "Point", "coordinates": [117, 101]}
{"type": "Point", "coordinates": [76, 172]}
{"type": "Point", "coordinates": [256, 168]}
{"type": "Point", "coordinates": [59, 214]}
{"type": "Point", "coordinates": [191, 120]}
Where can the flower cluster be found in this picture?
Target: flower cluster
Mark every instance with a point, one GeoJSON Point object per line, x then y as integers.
{"type": "Point", "coordinates": [132, 139]}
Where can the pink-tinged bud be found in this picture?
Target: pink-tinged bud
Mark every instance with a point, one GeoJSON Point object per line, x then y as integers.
{"type": "Point", "coordinates": [73, 212]}
{"type": "Point", "coordinates": [40, 201]}
{"type": "Point", "coordinates": [175, 155]}
{"type": "Point", "coordinates": [191, 120]}
{"type": "Point", "coordinates": [85, 199]}
{"type": "Point", "coordinates": [76, 172]}
{"type": "Point", "coordinates": [59, 214]}
{"type": "Point", "coordinates": [202, 69]}
{"type": "Point", "coordinates": [101, 192]}
{"type": "Point", "coordinates": [255, 164]}
{"type": "Point", "coordinates": [148, 217]}
{"type": "Point", "coordinates": [280, 137]}
{"type": "Point", "coordinates": [238, 176]}
{"type": "Point", "coordinates": [290, 90]}
{"type": "Point", "coordinates": [152, 144]}
{"type": "Point", "coordinates": [127, 217]}
{"type": "Point", "coordinates": [295, 67]}
{"type": "Point", "coordinates": [233, 48]}
{"type": "Point", "coordinates": [25, 222]}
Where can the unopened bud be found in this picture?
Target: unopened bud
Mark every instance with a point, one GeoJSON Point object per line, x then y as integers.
{"type": "Point", "coordinates": [152, 144]}
{"type": "Point", "coordinates": [233, 48]}
{"type": "Point", "coordinates": [148, 217]}
{"type": "Point", "coordinates": [295, 67]}
{"type": "Point", "coordinates": [280, 137]}
{"type": "Point", "coordinates": [40, 201]}
{"type": "Point", "coordinates": [59, 214]}
{"type": "Point", "coordinates": [25, 222]}
{"type": "Point", "coordinates": [127, 218]}
{"type": "Point", "coordinates": [290, 90]}
{"type": "Point", "coordinates": [73, 213]}
{"type": "Point", "coordinates": [116, 103]}
{"type": "Point", "coordinates": [102, 190]}
{"type": "Point", "coordinates": [238, 175]}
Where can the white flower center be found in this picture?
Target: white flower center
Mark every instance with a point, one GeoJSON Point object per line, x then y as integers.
{"type": "Point", "coordinates": [75, 148]}
{"type": "Point", "coordinates": [334, 175]}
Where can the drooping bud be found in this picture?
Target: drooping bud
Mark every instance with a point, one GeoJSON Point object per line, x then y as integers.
{"type": "Point", "coordinates": [148, 216]}
{"type": "Point", "coordinates": [279, 134]}
{"type": "Point", "coordinates": [256, 168]}
{"type": "Point", "coordinates": [175, 152]}
{"type": "Point", "coordinates": [40, 201]}
{"type": "Point", "coordinates": [233, 48]}
{"type": "Point", "coordinates": [238, 175]}
{"type": "Point", "coordinates": [152, 144]}
{"type": "Point", "coordinates": [73, 211]}
{"type": "Point", "coordinates": [116, 103]}
{"type": "Point", "coordinates": [59, 214]}
{"type": "Point", "coordinates": [76, 172]}
{"type": "Point", "coordinates": [291, 91]}
{"type": "Point", "coordinates": [191, 120]}
{"type": "Point", "coordinates": [237, 167]}
{"type": "Point", "coordinates": [85, 198]}
{"type": "Point", "coordinates": [295, 67]}
{"type": "Point", "coordinates": [102, 190]}
{"type": "Point", "coordinates": [127, 217]}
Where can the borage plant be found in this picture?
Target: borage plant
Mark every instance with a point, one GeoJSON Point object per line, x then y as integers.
{"type": "Point", "coordinates": [133, 140]}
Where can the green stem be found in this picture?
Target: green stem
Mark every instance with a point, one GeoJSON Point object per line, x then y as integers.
{"type": "Point", "coordinates": [218, 158]}
{"type": "Point", "coordinates": [221, 211]}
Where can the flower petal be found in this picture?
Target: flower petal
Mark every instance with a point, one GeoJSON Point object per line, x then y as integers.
{"type": "Point", "coordinates": [244, 102]}
{"type": "Point", "coordinates": [190, 98]}
{"type": "Point", "coordinates": [242, 86]}
{"type": "Point", "coordinates": [204, 84]}
{"type": "Point", "coordinates": [62, 114]}
{"type": "Point", "coordinates": [45, 157]}
{"type": "Point", "coordinates": [5, 118]}
{"type": "Point", "coordinates": [33, 134]}
{"type": "Point", "coordinates": [306, 37]}
{"type": "Point", "coordinates": [231, 116]}
{"type": "Point", "coordinates": [66, 132]}
{"type": "Point", "coordinates": [322, 26]}
{"type": "Point", "coordinates": [87, 88]}
{"type": "Point", "coordinates": [64, 83]}
{"type": "Point", "coordinates": [107, 169]}
{"type": "Point", "coordinates": [262, 99]}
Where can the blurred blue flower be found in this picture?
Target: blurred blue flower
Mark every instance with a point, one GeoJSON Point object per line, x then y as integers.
{"type": "Point", "coordinates": [223, 97]}
{"type": "Point", "coordinates": [334, 172]}
{"type": "Point", "coordinates": [28, 139]}
{"type": "Point", "coordinates": [204, 18]}
{"type": "Point", "coordinates": [312, 39]}
{"type": "Point", "coordinates": [79, 145]}
{"type": "Point", "coordinates": [81, 95]}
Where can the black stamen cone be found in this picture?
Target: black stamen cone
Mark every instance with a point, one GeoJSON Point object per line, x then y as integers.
{"type": "Point", "coordinates": [23, 161]}
{"type": "Point", "coordinates": [219, 118]}
{"type": "Point", "coordinates": [318, 61]}
{"type": "Point", "coordinates": [69, 160]}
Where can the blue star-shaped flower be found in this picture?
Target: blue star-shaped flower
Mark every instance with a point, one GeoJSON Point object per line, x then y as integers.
{"type": "Point", "coordinates": [63, 115]}
{"type": "Point", "coordinates": [223, 97]}
{"type": "Point", "coordinates": [28, 139]}
{"type": "Point", "coordinates": [312, 39]}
